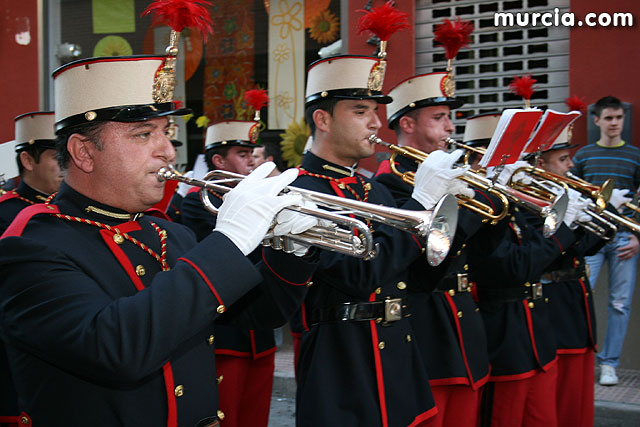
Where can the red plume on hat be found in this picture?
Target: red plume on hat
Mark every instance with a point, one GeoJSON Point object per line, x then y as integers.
{"type": "Point", "coordinates": [453, 36]}
{"type": "Point", "coordinates": [180, 14]}
{"type": "Point", "coordinates": [576, 103]}
{"type": "Point", "coordinates": [256, 98]}
{"type": "Point", "coordinates": [523, 86]}
{"type": "Point", "coordinates": [177, 14]}
{"type": "Point", "coordinates": [383, 21]}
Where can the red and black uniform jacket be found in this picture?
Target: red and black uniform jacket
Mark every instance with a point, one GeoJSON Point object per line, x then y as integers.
{"type": "Point", "coordinates": [230, 341]}
{"type": "Point", "coordinates": [11, 203]}
{"type": "Point", "coordinates": [360, 372]}
{"type": "Point", "coordinates": [566, 283]}
{"type": "Point", "coordinates": [97, 334]}
{"type": "Point", "coordinates": [506, 263]}
{"type": "Point", "coordinates": [450, 330]}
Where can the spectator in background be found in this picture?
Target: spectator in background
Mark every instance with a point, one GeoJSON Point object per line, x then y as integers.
{"type": "Point", "coordinates": [269, 151]}
{"type": "Point", "coordinates": [612, 157]}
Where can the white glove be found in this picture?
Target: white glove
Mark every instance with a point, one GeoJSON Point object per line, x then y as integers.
{"type": "Point", "coordinates": [290, 222]}
{"type": "Point", "coordinates": [436, 177]}
{"type": "Point", "coordinates": [508, 170]}
{"type": "Point", "coordinates": [248, 210]}
{"type": "Point", "coordinates": [576, 209]}
{"type": "Point", "coordinates": [619, 197]}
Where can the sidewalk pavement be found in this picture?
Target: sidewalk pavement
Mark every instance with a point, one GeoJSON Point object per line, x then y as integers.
{"type": "Point", "coordinates": [615, 406]}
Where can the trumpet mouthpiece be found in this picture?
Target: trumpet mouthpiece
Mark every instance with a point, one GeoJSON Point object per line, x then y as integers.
{"type": "Point", "coordinates": [166, 173]}
{"type": "Point", "coordinates": [375, 140]}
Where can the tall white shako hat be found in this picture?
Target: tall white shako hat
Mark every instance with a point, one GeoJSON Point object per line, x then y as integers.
{"type": "Point", "coordinates": [34, 129]}
{"type": "Point", "coordinates": [480, 128]}
{"type": "Point", "coordinates": [423, 90]}
{"type": "Point", "coordinates": [119, 89]}
{"type": "Point", "coordinates": [232, 133]}
{"type": "Point", "coordinates": [345, 77]}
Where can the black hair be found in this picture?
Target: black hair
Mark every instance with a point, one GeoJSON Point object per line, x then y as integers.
{"type": "Point", "coordinates": [411, 113]}
{"type": "Point", "coordinates": [327, 105]}
{"type": "Point", "coordinates": [90, 131]}
{"type": "Point", "coordinates": [35, 151]}
{"type": "Point", "coordinates": [271, 144]}
{"type": "Point", "coordinates": [607, 102]}
{"type": "Point", "coordinates": [222, 150]}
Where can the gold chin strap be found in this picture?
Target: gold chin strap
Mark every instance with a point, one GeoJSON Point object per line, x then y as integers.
{"type": "Point", "coordinates": [115, 215]}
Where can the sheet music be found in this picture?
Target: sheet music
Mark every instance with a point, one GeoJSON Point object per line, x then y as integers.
{"type": "Point", "coordinates": [511, 136]}
{"type": "Point", "coordinates": [549, 128]}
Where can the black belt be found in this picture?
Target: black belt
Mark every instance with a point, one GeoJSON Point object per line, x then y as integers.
{"type": "Point", "coordinates": [580, 272]}
{"type": "Point", "coordinates": [458, 283]}
{"type": "Point", "coordinates": [389, 310]}
{"type": "Point", "coordinates": [526, 292]}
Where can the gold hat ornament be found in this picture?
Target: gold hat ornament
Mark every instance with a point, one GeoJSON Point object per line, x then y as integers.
{"type": "Point", "coordinates": [383, 22]}
{"type": "Point", "coordinates": [178, 14]}
{"type": "Point", "coordinates": [257, 99]}
{"type": "Point", "coordinates": [453, 36]}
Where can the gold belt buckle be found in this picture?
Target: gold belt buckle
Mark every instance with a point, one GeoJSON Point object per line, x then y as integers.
{"type": "Point", "coordinates": [463, 282]}
{"type": "Point", "coordinates": [392, 309]}
{"type": "Point", "coordinates": [536, 290]}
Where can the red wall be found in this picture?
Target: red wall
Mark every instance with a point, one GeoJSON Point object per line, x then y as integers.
{"type": "Point", "coordinates": [605, 60]}
{"type": "Point", "coordinates": [19, 63]}
{"type": "Point", "coordinates": [400, 57]}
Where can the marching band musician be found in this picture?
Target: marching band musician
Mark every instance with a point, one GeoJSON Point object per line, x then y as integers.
{"type": "Point", "coordinates": [506, 263]}
{"type": "Point", "coordinates": [450, 331]}
{"type": "Point", "coordinates": [357, 365]}
{"type": "Point", "coordinates": [244, 357]}
{"type": "Point", "coordinates": [107, 313]}
{"type": "Point", "coordinates": [40, 174]}
{"type": "Point", "coordinates": [39, 177]}
{"type": "Point", "coordinates": [566, 284]}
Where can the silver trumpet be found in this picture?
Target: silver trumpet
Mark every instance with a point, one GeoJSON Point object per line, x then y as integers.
{"type": "Point", "coordinates": [340, 232]}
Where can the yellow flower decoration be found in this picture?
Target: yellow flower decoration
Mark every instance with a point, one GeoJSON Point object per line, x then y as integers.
{"type": "Point", "coordinates": [202, 121]}
{"type": "Point", "coordinates": [281, 53]}
{"type": "Point", "coordinates": [288, 19]}
{"type": "Point", "coordinates": [324, 27]}
{"type": "Point", "coordinates": [187, 117]}
{"type": "Point", "coordinates": [283, 100]}
{"type": "Point", "coordinates": [293, 142]}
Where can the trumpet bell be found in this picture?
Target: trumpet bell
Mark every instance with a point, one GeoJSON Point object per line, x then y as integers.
{"type": "Point", "coordinates": [554, 214]}
{"type": "Point", "coordinates": [440, 231]}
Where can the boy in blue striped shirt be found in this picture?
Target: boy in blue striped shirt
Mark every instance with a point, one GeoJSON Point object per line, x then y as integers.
{"type": "Point", "coordinates": [612, 157]}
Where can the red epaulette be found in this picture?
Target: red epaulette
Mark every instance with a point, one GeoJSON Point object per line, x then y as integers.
{"type": "Point", "coordinates": [20, 221]}
{"type": "Point", "coordinates": [8, 196]}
